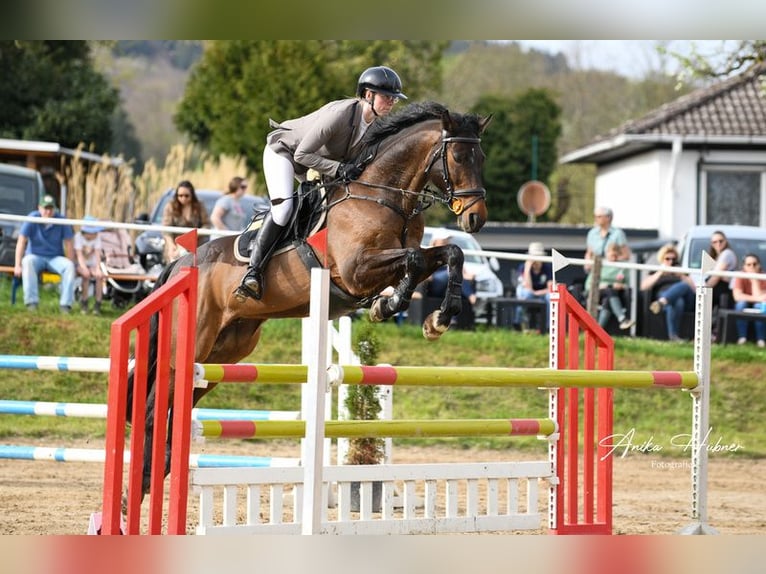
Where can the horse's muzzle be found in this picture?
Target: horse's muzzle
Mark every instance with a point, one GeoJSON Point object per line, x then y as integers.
{"type": "Point", "coordinates": [472, 223]}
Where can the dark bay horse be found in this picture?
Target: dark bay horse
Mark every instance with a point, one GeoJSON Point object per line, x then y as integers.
{"type": "Point", "coordinates": [420, 155]}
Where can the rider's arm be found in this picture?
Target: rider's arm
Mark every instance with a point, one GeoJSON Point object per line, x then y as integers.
{"type": "Point", "coordinates": [331, 130]}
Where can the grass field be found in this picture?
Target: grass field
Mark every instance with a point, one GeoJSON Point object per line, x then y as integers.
{"type": "Point", "coordinates": [738, 392]}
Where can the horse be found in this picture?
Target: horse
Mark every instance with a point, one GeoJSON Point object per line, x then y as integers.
{"type": "Point", "coordinates": [373, 226]}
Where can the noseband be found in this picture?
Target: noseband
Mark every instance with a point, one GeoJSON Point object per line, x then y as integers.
{"type": "Point", "coordinates": [455, 197]}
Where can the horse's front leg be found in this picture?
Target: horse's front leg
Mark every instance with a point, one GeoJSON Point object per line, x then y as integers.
{"type": "Point", "coordinates": [439, 321]}
{"type": "Point", "coordinates": [387, 306]}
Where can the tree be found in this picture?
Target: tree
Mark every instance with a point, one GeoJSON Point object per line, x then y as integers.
{"type": "Point", "coordinates": [730, 58]}
{"type": "Point", "coordinates": [522, 139]}
{"type": "Point", "coordinates": [50, 91]}
{"type": "Point", "coordinates": [239, 85]}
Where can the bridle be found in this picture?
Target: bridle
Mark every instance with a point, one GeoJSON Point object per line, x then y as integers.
{"type": "Point", "coordinates": [455, 197]}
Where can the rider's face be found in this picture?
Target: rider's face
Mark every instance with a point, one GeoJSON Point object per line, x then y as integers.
{"type": "Point", "coordinates": [383, 104]}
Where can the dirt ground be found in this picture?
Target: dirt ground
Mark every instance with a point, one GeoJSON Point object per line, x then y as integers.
{"type": "Point", "coordinates": [651, 494]}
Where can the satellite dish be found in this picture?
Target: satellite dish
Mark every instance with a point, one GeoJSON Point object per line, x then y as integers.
{"type": "Point", "coordinates": [534, 199]}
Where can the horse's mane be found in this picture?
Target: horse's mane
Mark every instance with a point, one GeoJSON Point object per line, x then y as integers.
{"type": "Point", "coordinates": [410, 115]}
{"type": "Point", "coordinates": [394, 123]}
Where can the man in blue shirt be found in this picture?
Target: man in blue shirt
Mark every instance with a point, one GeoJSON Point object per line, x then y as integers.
{"type": "Point", "coordinates": [42, 247]}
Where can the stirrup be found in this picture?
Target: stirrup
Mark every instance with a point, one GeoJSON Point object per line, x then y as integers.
{"type": "Point", "coordinates": [244, 290]}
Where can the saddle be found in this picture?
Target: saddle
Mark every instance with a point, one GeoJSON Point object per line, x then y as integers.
{"type": "Point", "coordinates": [308, 219]}
{"type": "Point", "coordinates": [306, 233]}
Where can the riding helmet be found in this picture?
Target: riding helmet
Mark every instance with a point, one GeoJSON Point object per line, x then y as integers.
{"type": "Point", "coordinates": [380, 79]}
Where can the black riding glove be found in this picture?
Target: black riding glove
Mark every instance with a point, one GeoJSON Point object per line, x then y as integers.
{"type": "Point", "coordinates": [349, 171]}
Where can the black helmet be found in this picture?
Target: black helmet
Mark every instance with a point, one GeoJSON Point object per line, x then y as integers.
{"type": "Point", "coordinates": [380, 79]}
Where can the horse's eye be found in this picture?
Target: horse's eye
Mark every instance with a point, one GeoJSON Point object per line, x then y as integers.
{"type": "Point", "coordinates": [463, 155]}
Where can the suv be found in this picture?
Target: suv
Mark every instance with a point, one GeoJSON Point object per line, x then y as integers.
{"type": "Point", "coordinates": [488, 285]}
{"type": "Point", "coordinates": [743, 239]}
{"type": "Point", "coordinates": [150, 244]}
{"type": "Point", "coordinates": [20, 191]}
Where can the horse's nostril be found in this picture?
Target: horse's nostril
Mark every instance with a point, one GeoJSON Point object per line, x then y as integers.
{"type": "Point", "coordinates": [475, 222]}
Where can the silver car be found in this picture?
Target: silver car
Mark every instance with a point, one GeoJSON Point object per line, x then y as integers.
{"type": "Point", "coordinates": [743, 239]}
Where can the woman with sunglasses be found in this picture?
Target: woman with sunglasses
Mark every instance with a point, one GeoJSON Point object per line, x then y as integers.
{"type": "Point", "coordinates": [725, 260]}
{"type": "Point", "coordinates": [326, 141]}
{"type": "Point", "coordinates": [750, 294]}
{"type": "Point", "coordinates": [671, 291]}
{"type": "Point", "coordinates": [183, 210]}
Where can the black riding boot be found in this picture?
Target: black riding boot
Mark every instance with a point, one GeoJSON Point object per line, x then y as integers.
{"type": "Point", "coordinates": [261, 248]}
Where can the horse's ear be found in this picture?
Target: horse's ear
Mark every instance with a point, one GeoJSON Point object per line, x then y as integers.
{"type": "Point", "coordinates": [448, 124]}
{"type": "Point", "coordinates": [484, 122]}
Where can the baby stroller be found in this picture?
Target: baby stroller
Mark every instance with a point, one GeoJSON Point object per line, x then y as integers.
{"type": "Point", "coordinates": [118, 262]}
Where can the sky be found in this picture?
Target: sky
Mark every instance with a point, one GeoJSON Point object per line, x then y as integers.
{"type": "Point", "coordinates": [631, 58]}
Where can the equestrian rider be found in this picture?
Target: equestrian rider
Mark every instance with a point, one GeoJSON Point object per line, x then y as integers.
{"type": "Point", "coordinates": [325, 140]}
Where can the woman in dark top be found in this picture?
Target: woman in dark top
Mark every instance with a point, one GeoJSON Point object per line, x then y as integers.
{"type": "Point", "coordinates": [660, 282]}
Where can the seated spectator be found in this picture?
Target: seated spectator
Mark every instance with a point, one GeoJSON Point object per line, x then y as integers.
{"type": "Point", "coordinates": [673, 292]}
{"type": "Point", "coordinates": [88, 253]}
{"type": "Point", "coordinates": [750, 294]}
{"type": "Point", "coordinates": [535, 279]}
{"type": "Point", "coordinates": [183, 210]}
{"type": "Point", "coordinates": [611, 291]}
{"type": "Point", "coordinates": [725, 260]}
{"type": "Point", "coordinates": [42, 247]}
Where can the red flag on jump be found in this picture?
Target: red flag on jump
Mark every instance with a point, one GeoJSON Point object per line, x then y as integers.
{"type": "Point", "coordinates": [188, 241]}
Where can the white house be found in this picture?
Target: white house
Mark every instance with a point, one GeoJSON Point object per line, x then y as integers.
{"type": "Point", "coordinates": [700, 159]}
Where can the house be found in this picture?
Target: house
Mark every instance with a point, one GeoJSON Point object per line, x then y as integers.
{"type": "Point", "coordinates": [700, 159]}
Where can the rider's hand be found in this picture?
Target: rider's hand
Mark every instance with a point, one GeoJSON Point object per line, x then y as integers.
{"type": "Point", "coordinates": [349, 171]}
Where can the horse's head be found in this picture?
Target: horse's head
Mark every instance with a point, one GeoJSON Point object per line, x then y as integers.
{"type": "Point", "coordinates": [458, 169]}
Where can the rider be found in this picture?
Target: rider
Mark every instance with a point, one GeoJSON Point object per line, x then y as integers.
{"type": "Point", "coordinates": [324, 140]}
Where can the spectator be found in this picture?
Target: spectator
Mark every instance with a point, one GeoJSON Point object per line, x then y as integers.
{"type": "Point", "coordinates": [674, 292]}
{"type": "Point", "coordinates": [88, 253]}
{"type": "Point", "coordinates": [725, 260]}
{"type": "Point", "coordinates": [611, 291]}
{"type": "Point", "coordinates": [603, 234]}
{"type": "Point", "coordinates": [183, 210]}
{"type": "Point", "coordinates": [750, 294]}
{"type": "Point", "coordinates": [45, 246]}
{"type": "Point", "coordinates": [228, 213]}
{"type": "Point", "coordinates": [535, 279]}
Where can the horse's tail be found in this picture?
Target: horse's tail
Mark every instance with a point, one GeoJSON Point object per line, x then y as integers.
{"type": "Point", "coordinates": [153, 337]}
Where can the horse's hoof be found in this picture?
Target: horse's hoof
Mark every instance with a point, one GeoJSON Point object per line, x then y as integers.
{"type": "Point", "coordinates": [376, 315]}
{"type": "Point", "coordinates": [432, 330]}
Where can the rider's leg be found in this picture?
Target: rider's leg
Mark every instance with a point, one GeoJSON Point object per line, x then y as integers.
{"type": "Point", "coordinates": [280, 176]}
{"type": "Point", "coordinates": [261, 247]}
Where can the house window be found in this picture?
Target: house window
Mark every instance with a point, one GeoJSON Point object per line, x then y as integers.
{"type": "Point", "coordinates": [733, 196]}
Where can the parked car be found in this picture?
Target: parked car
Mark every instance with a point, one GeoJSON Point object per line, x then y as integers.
{"type": "Point", "coordinates": [150, 244]}
{"type": "Point", "coordinates": [488, 285]}
{"type": "Point", "coordinates": [743, 239]}
{"type": "Point", "coordinates": [20, 191]}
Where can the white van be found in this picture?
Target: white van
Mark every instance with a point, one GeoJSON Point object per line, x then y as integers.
{"type": "Point", "coordinates": [20, 191]}
{"type": "Point", "coordinates": [488, 285]}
